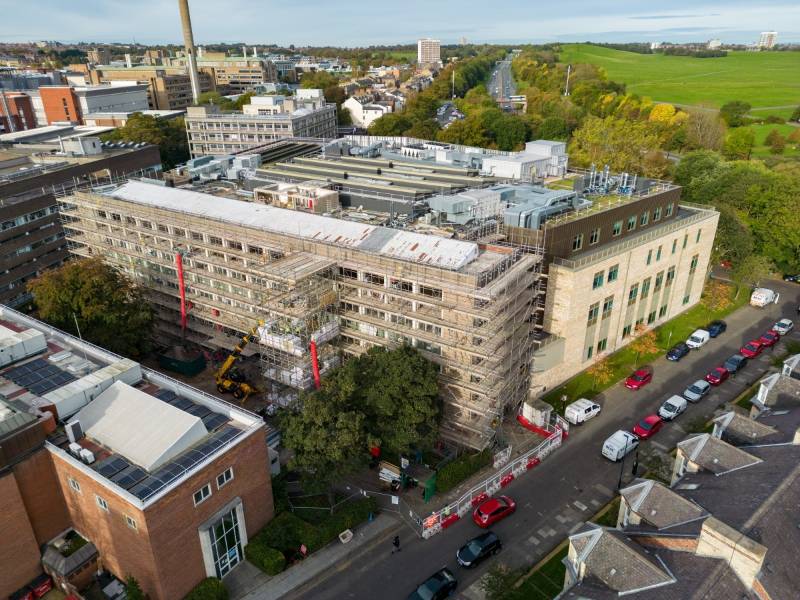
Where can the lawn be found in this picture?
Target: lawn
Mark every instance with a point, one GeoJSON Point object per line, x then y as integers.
{"type": "Point", "coordinates": [764, 79]}
{"type": "Point", "coordinates": [623, 361]}
{"type": "Point", "coordinates": [761, 131]}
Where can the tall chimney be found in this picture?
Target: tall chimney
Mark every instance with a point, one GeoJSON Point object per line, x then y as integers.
{"type": "Point", "coordinates": [188, 42]}
{"type": "Point", "coordinates": [255, 51]}
{"type": "Point", "coordinates": [244, 51]}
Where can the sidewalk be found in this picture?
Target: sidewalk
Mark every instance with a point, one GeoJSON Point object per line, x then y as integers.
{"type": "Point", "coordinates": [247, 582]}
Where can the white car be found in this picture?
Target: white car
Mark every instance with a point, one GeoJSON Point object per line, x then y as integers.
{"type": "Point", "coordinates": [696, 391]}
{"type": "Point", "coordinates": [763, 296]}
{"type": "Point", "coordinates": [672, 408]}
{"type": "Point", "coordinates": [581, 411]}
{"type": "Point", "coordinates": [619, 445]}
{"type": "Point", "coordinates": [698, 339]}
{"type": "Point", "coordinates": [783, 326]}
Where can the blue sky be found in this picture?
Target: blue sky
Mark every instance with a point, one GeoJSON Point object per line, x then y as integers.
{"type": "Point", "coordinates": [362, 23]}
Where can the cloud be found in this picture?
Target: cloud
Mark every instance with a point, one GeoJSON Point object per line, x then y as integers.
{"type": "Point", "coordinates": [663, 17]}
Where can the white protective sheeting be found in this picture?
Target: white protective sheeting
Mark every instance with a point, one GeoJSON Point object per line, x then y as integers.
{"type": "Point", "coordinates": [415, 247]}
{"type": "Point", "coordinates": [139, 427]}
{"type": "Point", "coordinates": [15, 345]}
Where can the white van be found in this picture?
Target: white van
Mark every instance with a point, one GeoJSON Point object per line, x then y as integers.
{"type": "Point", "coordinates": [763, 296]}
{"type": "Point", "coordinates": [698, 339]}
{"type": "Point", "coordinates": [620, 444]}
{"type": "Point", "coordinates": [672, 408]}
{"type": "Point", "coordinates": [581, 411]}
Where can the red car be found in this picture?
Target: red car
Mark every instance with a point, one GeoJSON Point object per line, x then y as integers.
{"type": "Point", "coordinates": [640, 378]}
{"type": "Point", "coordinates": [492, 510]}
{"type": "Point", "coordinates": [648, 427]}
{"type": "Point", "coordinates": [717, 376]}
{"type": "Point", "coordinates": [751, 349]}
{"type": "Point", "coordinates": [769, 339]}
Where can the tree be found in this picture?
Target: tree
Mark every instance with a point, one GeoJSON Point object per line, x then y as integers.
{"type": "Point", "coordinates": [795, 114]}
{"type": "Point", "coordinates": [601, 373]}
{"type": "Point", "coordinates": [619, 143]}
{"type": "Point", "coordinates": [751, 271]}
{"type": "Point", "coordinates": [390, 124]}
{"type": "Point", "coordinates": [694, 165]}
{"type": "Point", "coordinates": [794, 137]}
{"type": "Point", "coordinates": [168, 134]}
{"type": "Point", "coordinates": [133, 590]}
{"type": "Point", "coordinates": [775, 141]}
{"type": "Point", "coordinates": [645, 342]}
{"type": "Point", "coordinates": [662, 113]}
{"type": "Point", "coordinates": [733, 113]}
{"type": "Point", "coordinates": [554, 128]}
{"type": "Point", "coordinates": [111, 310]}
{"type": "Point", "coordinates": [717, 296]}
{"type": "Point", "coordinates": [739, 143]}
{"type": "Point", "coordinates": [704, 129]}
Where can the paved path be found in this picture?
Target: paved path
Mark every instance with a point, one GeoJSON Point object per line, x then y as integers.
{"type": "Point", "coordinates": [565, 489]}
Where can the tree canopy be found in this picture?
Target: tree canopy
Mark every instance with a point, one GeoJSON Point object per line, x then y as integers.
{"type": "Point", "coordinates": [110, 309]}
{"type": "Point", "coordinates": [168, 134]}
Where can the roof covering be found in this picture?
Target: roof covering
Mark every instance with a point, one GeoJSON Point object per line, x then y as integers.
{"type": "Point", "coordinates": [403, 245]}
{"type": "Point", "coordinates": [659, 506]}
{"type": "Point", "coordinates": [714, 455]}
{"type": "Point", "coordinates": [140, 427]}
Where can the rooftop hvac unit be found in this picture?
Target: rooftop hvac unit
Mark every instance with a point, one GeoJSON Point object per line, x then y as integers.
{"type": "Point", "coordinates": [74, 431]}
{"type": "Point", "coordinates": [87, 456]}
{"type": "Point", "coordinates": [75, 449]}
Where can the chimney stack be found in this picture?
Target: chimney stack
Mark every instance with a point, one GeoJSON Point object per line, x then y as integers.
{"type": "Point", "coordinates": [188, 42]}
{"type": "Point", "coordinates": [244, 51]}
{"type": "Point", "coordinates": [128, 61]}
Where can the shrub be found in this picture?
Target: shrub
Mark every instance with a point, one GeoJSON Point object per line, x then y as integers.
{"type": "Point", "coordinates": [269, 560]}
{"type": "Point", "coordinates": [286, 532]}
{"type": "Point", "coordinates": [208, 589]}
{"type": "Point", "coordinates": [459, 469]}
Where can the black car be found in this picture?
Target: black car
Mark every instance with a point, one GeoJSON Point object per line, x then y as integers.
{"type": "Point", "coordinates": [440, 585]}
{"type": "Point", "coordinates": [735, 363]}
{"type": "Point", "coordinates": [793, 278]}
{"type": "Point", "coordinates": [716, 327]}
{"type": "Point", "coordinates": [475, 550]}
{"type": "Point", "coordinates": [678, 351]}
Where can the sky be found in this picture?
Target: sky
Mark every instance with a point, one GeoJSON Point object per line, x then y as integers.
{"type": "Point", "coordinates": [363, 23]}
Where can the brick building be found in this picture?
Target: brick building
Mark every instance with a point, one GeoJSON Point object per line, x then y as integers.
{"type": "Point", "coordinates": [60, 104]}
{"type": "Point", "coordinates": [168, 88]}
{"type": "Point", "coordinates": [16, 112]}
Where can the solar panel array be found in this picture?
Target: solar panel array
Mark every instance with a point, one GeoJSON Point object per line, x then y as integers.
{"type": "Point", "coordinates": [39, 376]}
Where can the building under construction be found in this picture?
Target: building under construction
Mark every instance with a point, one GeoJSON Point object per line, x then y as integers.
{"type": "Point", "coordinates": [324, 288]}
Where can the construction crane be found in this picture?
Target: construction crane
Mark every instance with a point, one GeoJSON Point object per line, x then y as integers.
{"type": "Point", "coordinates": [225, 377]}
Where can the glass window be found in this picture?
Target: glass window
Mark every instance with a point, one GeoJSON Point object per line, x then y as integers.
{"type": "Point", "coordinates": [577, 242]}
{"type": "Point", "coordinates": [645, 218]}
{"type": "Point", "coordinates": [657, 213]}
{"type": "Point", "coordinates": [202, 494]}
{"type": "Point", "coordinates": [668, 212]}
{"type": "Point", "coordinates": [224, 477]}
{"type": "Point", "coordinates": [594, 310]}
{"type": "Point", "coordinates": [659, 281]}
{"type": "Point", "coordinates": [649, 256]}
{"type": "Point", "coordinates": [658, 253]}
{"type": "Point", "coordinates": [594, 237]}
{"type": "Point", "coordinates": [598, 280]}
{"type": "Point", "coordinates": [651, 317]}
{"type": "Point", "coordinates": [697, 239]}
{"type": "Point", "coordinates": [674, 245]}
{"type": "Point", "coordinates": [686, 299]}
{"type": "Point", "coordinates": [632, 293]}
{"type": "Point", "coordinates": [101, 503]}
{"type": "Point", "coordinates": [130, 522]}
{"type": "Point", "coordinates": [601, 345]}
{"type": "Point", "coordinates": [685, 239]}
{"type": "Point", "coordinates": [631, 222]}
{"type": "Point", "coordinates": [670, 275]}
{"type": "Point", "coordinates": [662, 311]}
{"type": "Point", "coordinates": [74, 484]}
{"type": "Point", "coordinates": [608, 306]}
{"type": "Point", "coordinates": [626, 331]}
{"type": "Point", "coordinates": [613, 273]}
{"type": "Point", "coordinates": [589, 352]}
{"type": "Point", "coordinates": [693, 265]}
{"type": "Point", "coordinates": [645, 287]}
{"type": "Point", "coordinates": [617, 229]}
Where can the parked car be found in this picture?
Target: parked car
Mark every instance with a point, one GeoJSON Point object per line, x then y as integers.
{"type": "Point", "coordinates": [793, 278]}
{"type": "Point", "coordinates": [751, 349]}
{"type": "Point", "coordinates": [438, 586]}
{"type": "Point", "coordinates": [769, 338]}
{"type": "Point", "coordinates": [619, 444]}
{"type": "Point", "coordinates": [478, 548]}
{"type": "Point", "coordinates": [640, 378]}
{"type": "Point", "coordinates": [763, 296]}
{"type": "Point", "coordinates": [717, 375]}
{"type": "Point", "coordinates": [678, 351]}
{"type": "Point", "coordinates": [492, 510]}
{"type": "Point", "coordinates": [647, 427]}
{"type": "Point", "coordinates": [581, 411]}
{"type": "Point", "coordinates": [735, 363]}
{"type": "Point", "coordinates": [783, 326]}
{"type": "Point", "coordinates": [672, 408]}
{"type": "Point", "coordinates": [698, 339]}
{"type": "Point", "coordinates": [715, 328]}
{"type": "Point", "coordinates": [696, 391]}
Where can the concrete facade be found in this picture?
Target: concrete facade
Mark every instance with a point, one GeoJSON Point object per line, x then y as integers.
{"type": "Point", "coordinates": [168, 88]}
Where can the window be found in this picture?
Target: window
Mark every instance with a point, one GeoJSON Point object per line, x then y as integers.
{"type": "Point", "coordinates": [608, 306]}
{"type": "Point", "coordinates": [196, 236]}
{"type": "Point", "coordinates": [348, 273]}
{"type": "Point", "coordinates": [645, 218]}
{"type": "Point", "coordinates": [626, 331]}
{"type": "Point", "coordinates": [693, 264]}
{"type": "Point", "coordinates": [224, 477]}
{"type": "Point", "coordinates": [668, 212]}
{"type": "Point", "coordinates": [674, 245]}
{"type": "Point", "coordinates": [217, 241]}
{"type": "Point", "coordinates": [594, 310]}
{"type": "Point", "coordinates": [235, 245]}
{"type": "Point", "coordinates": [685, 239]}
{"type": "Point", "coordinates": [631, 222]}
{"type": "Point", "coordinates": [598, 280]}
{"type": "Point", "coordinates": [686, 299]}
{"type": "Point", "coordinates": [202, 494]}
{"type": "Point", "coordinates": [403, 286]}
{"type": "Point", "coordinates": [657, 213]}
{"type": "Point", "coordinates": [651, 317]}
{"type": "Point", "coordinates": [617, 229]}
{"type": "Point", "coordinates": [577, 242]}
{"type": "Point", "coordinates": [163, 228]}
{"type": "Point", "coordinates": [178, 231]}
{"type": "Point", "coordinates": [430, 292]}
{"type": "Point", "coordinates": [649, 256]}
{"type": "Point", "coordinates": [594, 237]}
{"type": "Point", "coordinates": [632, 293]}
{"type": "Point", "coordinates": [613, 273]}
{"type": "Point", "coordinates": [101, 503]}
{"type": "Point", "coordinates": [658, 253]}
{"type": "Point", "coordinates": [601, 345]}
{"type": "Point", "coordinates": [670, 275]}
{"type": "Point", "coordinates": [373, 278]}
{"type": "Point", "coordinates": [662, 311]}
{"type": "Point", "coordinates": [74, 485]}
{"type": "Point", "coordinates": [697, 239]}
{"type": "Point", "coordinates": [130, 522]}
{"type": "Point", "coordinates": [589, 352]}
{"type": "Point", "coordinates": [659, 281]}
{"type": "Point", "coordinates": [226, 543]}
{"type": "Point", "coordinates": [645, 287]}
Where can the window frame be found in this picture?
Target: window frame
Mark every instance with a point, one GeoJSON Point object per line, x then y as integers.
{"type": "Point", "coordinates": [205, 497]}
{"type": "Point", "coordinates": [101, 502]}
{"type": "Point", "coordinates": [74, 484]}
{"type": "Point", "coordinates": [228, 479]}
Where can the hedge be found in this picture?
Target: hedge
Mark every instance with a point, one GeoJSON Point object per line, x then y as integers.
{"type": "Point", "coordinates": [269, 560]}
{"type": "Point", "coordinates": [456, 471]}
{"type": "Point", "coordinates": [208, 589]}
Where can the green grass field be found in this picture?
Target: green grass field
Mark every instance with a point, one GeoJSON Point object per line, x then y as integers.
{"type": "Point", "coordinates": [769, 81]}
{"type": "Point", "coordinates": [762, 131]}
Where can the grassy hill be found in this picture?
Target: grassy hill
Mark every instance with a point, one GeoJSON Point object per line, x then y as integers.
{"type": "Point", "coordinates": [769, 81]}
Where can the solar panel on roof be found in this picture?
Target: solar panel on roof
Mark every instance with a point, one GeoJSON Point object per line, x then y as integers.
{"type": "Point", "coordinates": [198, 410]}
{"type": "Point", "coordinates": [182, 403]}
{"type": "Point", "coordinates": [214, 420]}
{"type": "Point", "coordinates": [185, 461]}
{"type": "Point", "coordinates": [129, 477]}
{"type": "Point", "coordinates": [146, 487]}
{"type": "Point", "coordinates": [227, 433]}
{"type": "Point", "coordinates": [111, 466]}
{"type": "Point", "coordinates": [166, 395]}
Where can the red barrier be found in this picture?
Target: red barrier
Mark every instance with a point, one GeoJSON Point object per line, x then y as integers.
{"type": "Point", "coordinates": [449, 520]}
{"type": "Point", "coordinates": [315, 364]}
{"type": "Point", "coordinates": [532, 462]}
{"type": "Point", "coordinates": [482, 497]}
{"type": "Point", "coordinates": [533, 427]}
{"type": "Point", "coordinates": [506, 480]}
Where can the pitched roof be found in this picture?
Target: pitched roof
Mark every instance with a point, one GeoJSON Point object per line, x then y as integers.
{"type": "Point", "coordinates": [659, 506]}
{"type": "Point", "coordinates": [742, 430]}
{"type": "Point", "coordinates": [783, 393]}
{"type": "Point", "coordinates": [714, 455]}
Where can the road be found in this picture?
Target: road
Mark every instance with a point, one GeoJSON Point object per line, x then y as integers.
{"type": "Point", "coordinates": [571, 484]}
{"type": "Point", "coordinates": [501, 82]}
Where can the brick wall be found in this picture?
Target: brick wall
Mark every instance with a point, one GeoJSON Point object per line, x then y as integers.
{"type": "Point", "coordinates": [41, 495]}
{"type": "Point", "coordinates": [19, 552]}
{"type": "Point", "coordinates": [60, 104]}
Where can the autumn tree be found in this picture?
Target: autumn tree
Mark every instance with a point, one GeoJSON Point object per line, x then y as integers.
{"type": "Point", "coordinates": [601, 373]}
{"type": "Point", "coordinates": [775, 141]}
{"type": "Point", "coordinates": [751, 271]}
{"type": "Point", "coordinates": [733, 113]}
{"type": "Point", "coordinates": [645, 342]}
{"type": "Point", "coordinates": [739, 143]}
{"type": "Point", "coordinates": [168, 134]}
{"type": "Point", "coordinates": [717, 296]}
{"type": "Point", "coordinates": [619, 143]}
{"type": "Point", "coordinates": [111, 311]}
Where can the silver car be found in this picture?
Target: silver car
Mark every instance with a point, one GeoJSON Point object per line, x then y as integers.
{"type": "Point", "coordinates": [696, 391]}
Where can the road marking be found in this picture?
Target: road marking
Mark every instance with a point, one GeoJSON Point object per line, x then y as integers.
{"type": "Point", "coordinates": [542, 533]}
{"type": "Point", "coordinates": [580, 505]}
{"type": "Point", "coordinates": [575, 528]}
{"type": "Point", "coordinates": [661, 447]}
{"type": "Point", "coordinates": [533, 540]}
{"type": "Point", "coordinates": [561, 519]}
{"type": "Point", "coordinates": [551, 532]}
{"type": "Point", "coordinates": [594, 503]}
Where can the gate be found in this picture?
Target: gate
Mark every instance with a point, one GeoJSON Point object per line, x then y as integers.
{"type": "Point", "coordinates": [395, 504]}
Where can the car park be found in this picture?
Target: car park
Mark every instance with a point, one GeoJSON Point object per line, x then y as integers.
{"type": "Point", "coordinates": [619, 445]}
{"type": "Point", "coordinates": [769, 338]}
{"type": "Point", "coordinates": [678, 351]}
{"type": "Point", "coordinates": [735, 363]}
{"type": "Point", "coordinates": [639, 378]}
{"type": "Point", "coordinates": [715, 328]}
{"type": "Point", "coordinates": [672, 408]}
{"type": "Point", "coordinates": [696, 391]}
{"type": "Point", "coordinates": [647, 427]}
{"type": "Point", "coordinates": [581, 411]}
{"type": "Point", "coordinates": [783, 326]}
{"type": "Point", "coordinates": [717, 375]}
{"type": "Point", "coordinates": [492, 510]}
{"type": "Point", "coordinates": [478, 548]}
{"type": "Point", "coordinates": [698, 339]}
{"type": "Point", "coordinates": [751, 349]}
{"type": "Point", "coordinates": [438, 586]}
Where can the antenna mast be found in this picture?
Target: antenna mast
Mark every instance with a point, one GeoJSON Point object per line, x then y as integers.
{"type": "Point", "coordinates": [566, 88]}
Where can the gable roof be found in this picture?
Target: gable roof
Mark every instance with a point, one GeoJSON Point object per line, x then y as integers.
{"type": "Point", "coordinates": [741, 429]}
{"type": "Point", "coordinates": [714, 455]}
{"type": "Point", "coordinates": [659, 506]}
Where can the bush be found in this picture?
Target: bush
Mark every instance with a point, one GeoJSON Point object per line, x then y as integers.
{"type": "Point", "coordinates": [459, 469]}
{"type": "Point", "coordinates": [286, 532]}
{"type": "Point", "coordinates": [269, 560]}
{"type": "Point", "coordinates": [208, 589]}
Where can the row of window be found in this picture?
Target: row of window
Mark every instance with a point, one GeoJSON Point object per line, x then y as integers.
{"type": "Point", "coordinates": [394, 283]}
{"type": "Point", "coordinates": [616, 229]}
{"type": "Point", "coordinates": [101, 503]}
{"type": "Point", "coordinates": [204, 493]}
{"type": "Point", "coordinates": [599, 277]}
{"type": "Point", "coordinates": [28, 218]}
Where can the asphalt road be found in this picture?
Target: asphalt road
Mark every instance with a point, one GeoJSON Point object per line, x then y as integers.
{"type": "Point", "coordinates": [501, 82]}
{"type": "Point", "coordinates": [570, 485]}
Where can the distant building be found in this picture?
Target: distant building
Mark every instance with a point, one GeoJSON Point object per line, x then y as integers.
{"type": "Point", "coordinates": [16, 112]}
{"type": "Point", "coordinates": [236, 74]}
{"type": "Point", "coordinates": [364, 110]}
{"type": "Point", "coordinates": [714, 44]}
{"type": "Point", "coordinates": [168, 88]}
{"type": "Point", "coordinates": [72, 104]}
{"type": "Point", "coordinates": [767, 40]}
{"type": "Point", "coordinates": [428, 52]}
{"type": "Point", "coordinates": [99, 56]}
